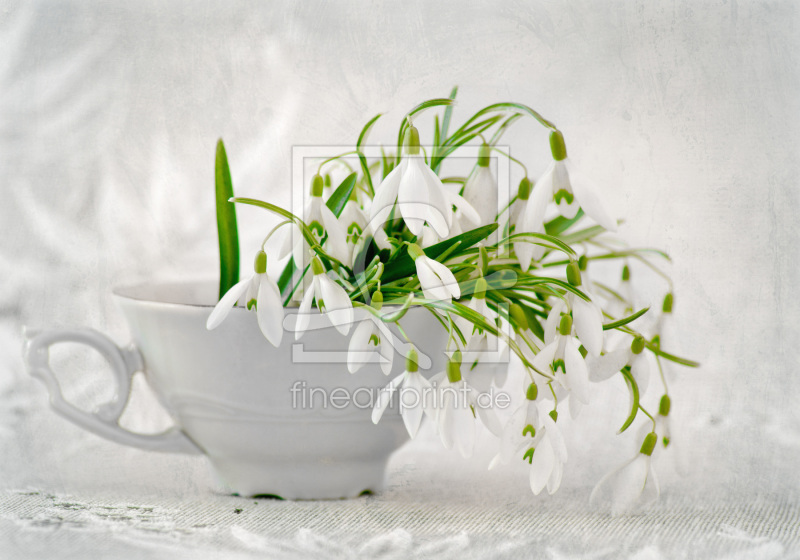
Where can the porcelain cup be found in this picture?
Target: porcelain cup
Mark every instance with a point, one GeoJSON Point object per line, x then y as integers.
{"type": "Point", "coordinates": [265, 417]}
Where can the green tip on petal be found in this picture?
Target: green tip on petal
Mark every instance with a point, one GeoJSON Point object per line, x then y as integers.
{"type": "Point", "coordinates": [557, 145]}
{"type": "Point", "coordinates": [637, 346]}
{"type": "Point", "coordinates": [252, 304]}
{"type": "Point", "coordinates": [649, 444]}
{"type": "Point", "coordinates": [412, 360]}
{"type": "Point", "coordinates": [528, 456]}
{"type": "Point", "coordinates": [583, 262]}
{"type": "Point", "coordinates": [518, 316]}
{"type": "Point", "coordinates": [565, 326]}
{"type": "Point", "coordinates": [664, 405]}
{"type": "Point", "coordinates": [415, 251]}
{"type": "Point", "coordinates": [412, 140]}
{"type": "Point", "coordinates": [657, 341]}
{"type": "Point", "coordinates": [261, 262]}
{"type": "Point", "coordinates": [316, 185]}
{"type": "Point", "coordinates": [532, 392]}
{"type": "Point", "coordinates": [554, 415]}
{"type": "Point", "coordinates": [316, 266]}
{"type": "Point", "coordinates": [529, 429]}
{"type": "Point", "coordinates": [453, 371]}
{"type": "Point", "coordinates": [583, 350]}
{"type": "Point", "coordinates": [377, 300]}
{"type": "Point", "coordinates": [483, 155]}
{"type": "Point", "coordinates": [666, 441]}
{"type": "Point", "coordinates": [524, 190]}
{"type": "Point", "coordinates": [626, 273]}
{"type": "Point", "coordinates": [574, 273]}
{"type": "Point", "coordinates": [667, 307]}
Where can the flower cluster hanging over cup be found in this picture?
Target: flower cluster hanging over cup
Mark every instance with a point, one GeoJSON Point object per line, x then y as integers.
{"type": "Point", "coordinates": [509, 273]}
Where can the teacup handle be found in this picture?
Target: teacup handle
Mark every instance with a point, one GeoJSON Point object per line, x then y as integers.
{"type": "Point", "coordinates": [104, 421]}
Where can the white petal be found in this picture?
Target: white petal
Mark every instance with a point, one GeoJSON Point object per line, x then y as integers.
{"type": "Point", "coordinates": [587, 196]}
{"type": "Point", "coordinates": [577, 374]}
{"type": "Point", "coordinates": [304, 313]}
{"type": "Point", "coordinates": [524, 253]}
{"type": "Point", "coordinates": [386, 347]}
{"type": "Point", "coordinates": [553, 320]}
{"type": "Point", "coordinates": [269, 310]}
{"type": "Point", "coordinates": [385, 397]}
{"type": "Point", "coordinates": [489, 418]}
{"type": "Point", "coordinates": [338, 306]}
{"type": "Point", "coordinates": [468, 211]}
{"type": "Point", "coordinates": [431, 284]}
{"type": "Point", "coordinates": [337, 237]}
{"type": "Point", "coordinates": [556, 438]}
{"type": "Point", "coordinates": [446, 277]}
{"type": "Point", "coordinates": [412, 197]}
{"type": "Point", "coordinates": [561, 182]}
{"type": "Point", "coordinates": [640, 370]}
{"type": "Point", "coordinates": [588, 325]}
{"type": "Point", "coordinates": [359, 343]}
{"type": "Point", "coordinates": [415, 385]}
{"type": "Point", "coordinates": [438, 200]}
{"type": "Point", "coordinates": [385, 196]}
{"type": "Point", "coordinates": [603, 367]}
{"type": "Point", "coordinates": [542, 195]}
{"type": "Point", "coordinates": [542, 465]}
{"type": "Point", "coordinates": [226, 303]}
{"type": "Point", "coordinates": [554, 482]}
{"type": "Point", "coordinates": [544, 359]}
{"type": "Point", "coordinates": [481, 192]}
{"type": "Point", "coordinates": [380, 237]}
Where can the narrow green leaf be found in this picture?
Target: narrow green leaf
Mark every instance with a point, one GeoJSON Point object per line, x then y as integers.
{"type": "Point", "coordinates": [448, 113]}
{"type": "Point", "coordinates": [634, 389]}
{"type": "Point", "coordinates": [561, 224]}
{"type": "Point", "coordinates": [341, 195]}
{"type": "Point", "coordinates": [286, 275]}
{"type": "Point", "coordinates": [401, 265]}
{"type": "Point", "coordinates": [365, 132]}
{"type": "Point", "coordinates": [552, 242]}
{"type": "Point", "coordinates": [626, 320]}
{"type": "Point", "coordinates": [227, 230]}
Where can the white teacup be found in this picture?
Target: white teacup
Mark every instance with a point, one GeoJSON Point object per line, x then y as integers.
{"type": "Point", "coordinates": [230, 393]}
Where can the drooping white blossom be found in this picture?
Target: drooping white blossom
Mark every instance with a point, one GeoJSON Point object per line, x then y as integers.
{"type": "Point", "coordinates": [371, 336]}
{"type": "Point", "coordinates": [436, 280]}
{"type": "Point", "coordinates": [331, 299]}
{"type": "Point", "coordinates": [631, 486]}
{"type": "Point", "coordinates": [414, 396]}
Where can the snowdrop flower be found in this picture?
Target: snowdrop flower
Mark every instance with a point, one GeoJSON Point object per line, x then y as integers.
{"type": "Point", "coordinates": [371, 331]}
{"type": "Point", "coordinates": [603, 367]}
{"type": "Point", "coordinates": [437, 282]}
{"type": "Point", "coordinates": [477, 303]}
{"type": "Point", "coordinates": [480, 191]}
{"type": "Point", "coordinates": [354, 222]}
{"type": "Point", "coordinates": [330, 296]}
{"type": "Point", "coordinates": [563, 183]}
{"type": "Point", "coordinates": [320, 220]}
{"type": "Point", "coordinates": [632, 485]}
{"type": "Point", "coordinates": [465, 218]}
{"type": "Point", "coordinates": [538, 435]}
{"type": "Point", "coordinates": [562, 353]}
{"type": "Point", "coordinates": [418, 190]}
{"type": "Point", "coordinates": [587, 314]}
{"type": "Point", "coordinates": [263, 296]}
{"type": "Point", "coordinates": [412, 397]}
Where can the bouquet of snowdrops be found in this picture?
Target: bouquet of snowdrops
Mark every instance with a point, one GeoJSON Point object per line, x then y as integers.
{"type": "Point", "coordinates": [507, 271]}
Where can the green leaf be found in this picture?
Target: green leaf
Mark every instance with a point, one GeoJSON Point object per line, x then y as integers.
{"type": "Point", "coordinates": [634, 389]}
{"type": "Point", "coordinates": [286, 275]}
{"type": "Point", "coordinates": [402, 266]}
{"type": "Point", "coordinates": [626, 320]}
{"type": "Point", "coordinates": [227, 230]}
{"type": "Point", "coordinates": [448, 113]}
{"type": "Point", "coordinates": [552, 242]}
{"type": "Point", "coordinates": [341, 195]}
{"type": "Point", "coordinates": [561, 224]}
{"type": "Point", "coordinates": [365, 131]}
{"type": "Point", "coordinates": [671, 357]}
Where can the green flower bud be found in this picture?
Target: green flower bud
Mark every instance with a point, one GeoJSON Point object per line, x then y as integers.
{"type": "Point", "coordinates": [377, 300]}
{"type": "Point", "coordinates": [483, 155]}
{"type": "Point", "coordinates": [480, 288]}
{"type": "Point", "coordinates": [637, 345]}
{"type": "Point", "coordinates": [626, 273]}
{"type": "Point", "coordinates": [565, 326]}
{"type": "Point", "coordinates": [483, 259]}
{"type": "Point", "coordinates": [412, 140]}
{"type": "Point", "coordinates": [583, 262]}
{"type": "Point", "coordinates": [453, 371]}
{"type": "Point", "coordinates": [316, 266]}
{"type": "Point", "coordinates": [518, 316]}
{"type": "Point", "coordinates": [261, 262]}
{"type": "Point", "coordinates": [456, 357]}
{"type": "Point", "coordinates": [557, 145]}
{"type": "Point", "coordinates": [574, 273]}
{"type": "Point", "coordinates": [327, 180]}
{"type": "Point", "coordinates": [667, 307]}
{"type": "Point", "coordinates": [649, 444]}
{"type": "Point", "coordinates": [664, 405]}
{"type": "Point", "coordinates": [415, 251]}
{"type": "Point", "coordinates": [554, 415]}
{"type": "Point", "coordinates": [412, 360]}
{"type": "Point", "coordinates": [528, 455]}
{"type": "Point", "coordinates": [316, 185]}
{"type": "Point", "coordinates": [524, 190]}
{"type": "Point", "coordinates": [532, 392]}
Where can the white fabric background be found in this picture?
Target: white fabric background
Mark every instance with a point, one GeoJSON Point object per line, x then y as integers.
{"type": "Point", "coordinates": [687, 113]}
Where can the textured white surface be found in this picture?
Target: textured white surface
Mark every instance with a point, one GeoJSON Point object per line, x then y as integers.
{"type": "Point", "coordinates": [687, 112]}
